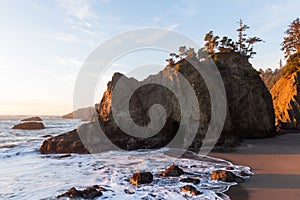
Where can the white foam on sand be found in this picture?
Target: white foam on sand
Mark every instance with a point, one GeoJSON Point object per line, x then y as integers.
{"type": "Point", "coordinates": [27, 174]}
{"type": "Point", "coordinates": [118, 166]}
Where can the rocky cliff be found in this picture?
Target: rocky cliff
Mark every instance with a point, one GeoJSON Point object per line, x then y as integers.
{"type": "Point", "coordinates": [250, 112]}
{"type": "Point", "coordinates": [270, 77]}
{"type": "Point", "coordinates": [250, 109]}
{"type": "Point", "coordinates": [250, 103]}
{"type": "Point", "coordinates": [286, 99]}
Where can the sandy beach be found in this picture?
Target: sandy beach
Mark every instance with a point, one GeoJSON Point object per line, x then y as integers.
{"type": "Point", "coordinates": [276, 164]}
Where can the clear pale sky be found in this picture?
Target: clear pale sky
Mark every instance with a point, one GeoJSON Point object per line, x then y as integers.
{"type": "Point", "coordinates": [44, 43]}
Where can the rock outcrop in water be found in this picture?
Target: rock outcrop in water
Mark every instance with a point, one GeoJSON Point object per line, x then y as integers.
{"type": "Point", "coordinates": [225, 176]}
{"type": "Point", "coordinates": [250, 112]}
{"type": "Point", "coordinates": [172, 171]}
{"type": "Point", "coordinates": [250, 109]}
{"type": "Point", "coordinates": [88, 193]}
{"type": "Point", "coordinates": [29, 126]}
{"type": "Point", "coordinates": [190, 189]}
{"type": "Point", "coordinates": [141, 178]}
{"type": "Point", "coordinates": [65, 143]}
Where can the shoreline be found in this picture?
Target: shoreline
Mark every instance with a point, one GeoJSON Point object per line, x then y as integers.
{"type": "Point", "coordinates": [276, 164]}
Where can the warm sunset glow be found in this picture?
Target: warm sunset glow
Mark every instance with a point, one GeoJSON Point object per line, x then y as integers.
{"type": "Point", "coordinates": [40, 56]}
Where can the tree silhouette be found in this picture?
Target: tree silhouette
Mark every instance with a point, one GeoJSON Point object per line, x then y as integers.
{"type": "Point", "coordinates": [244, 44]}
{"type": "Point", "coordinates": [291, 43]}
{"type": "Point", "coordinates": [242, 37]}
{"type": "Point", "coordinates": [226, 45]}
{"type": "Point", "coordinates": [211, 42]}
{"type": "Point", "coordinates": [249, 49]}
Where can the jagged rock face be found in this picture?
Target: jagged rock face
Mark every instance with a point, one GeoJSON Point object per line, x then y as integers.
{"type": "Point", "coordinates": [250, 109]}
{"type": "Point", "coordinates": [139, 107]}
{"type": "Point", "coordinates": [249, 101]}
{"type": "Point", "coordinates": [286, 99]}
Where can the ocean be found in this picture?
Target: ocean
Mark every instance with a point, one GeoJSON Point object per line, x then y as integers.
{"type": "Point", "coordinates": [27, 174]}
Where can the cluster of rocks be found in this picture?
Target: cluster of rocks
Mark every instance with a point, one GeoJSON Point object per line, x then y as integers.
{"type": "Point", "coordinates": [31, 123]}
{"type": "Point", "coordinates": [141, 178]}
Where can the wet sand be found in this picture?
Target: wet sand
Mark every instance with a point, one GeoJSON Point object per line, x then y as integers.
{"type": "Point", "coordinates": [276, 164]}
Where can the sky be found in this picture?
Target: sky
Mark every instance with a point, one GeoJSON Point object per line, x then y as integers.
{"type": "Point", "coordinates": [43, 44]}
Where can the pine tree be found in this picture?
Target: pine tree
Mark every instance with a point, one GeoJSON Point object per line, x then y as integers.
{"type": "Point", "coordinates": [291, 43]}
{"type": "Point", "coordinates": [249, 49]}
{"type": "Point", "coordinates": [244, 44]}
{"type": "Point", "coordinates": [227, 45]}
{"type": "Point", "coordinates": [242, 37]}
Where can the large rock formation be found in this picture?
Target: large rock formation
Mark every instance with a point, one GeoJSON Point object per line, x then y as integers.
{"type": "Point", "coordinates": [250, 112]}
{"type": "Point", "coordinates": [286, 99]}
{"type": "Point", "coordinates": [250, 103]}
{"type": "Point", "coordinates": [250, 109]}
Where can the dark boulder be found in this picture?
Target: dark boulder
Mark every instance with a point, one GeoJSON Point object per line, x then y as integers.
{"type": "Point", "coordinates": [141, 178]}
{"type": "Point", "coordinates": [172, 171]}
{"type": "Point", "coordinates": [190, 189]}
{"type": "Point", "coordinates": [65, 143]}
{"type": "Point", "coordinates": [225, 176]}
{"type": "Point", "coordinates": [88, 193]}
{"type": "Point", "coordinates": [29, 126]}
